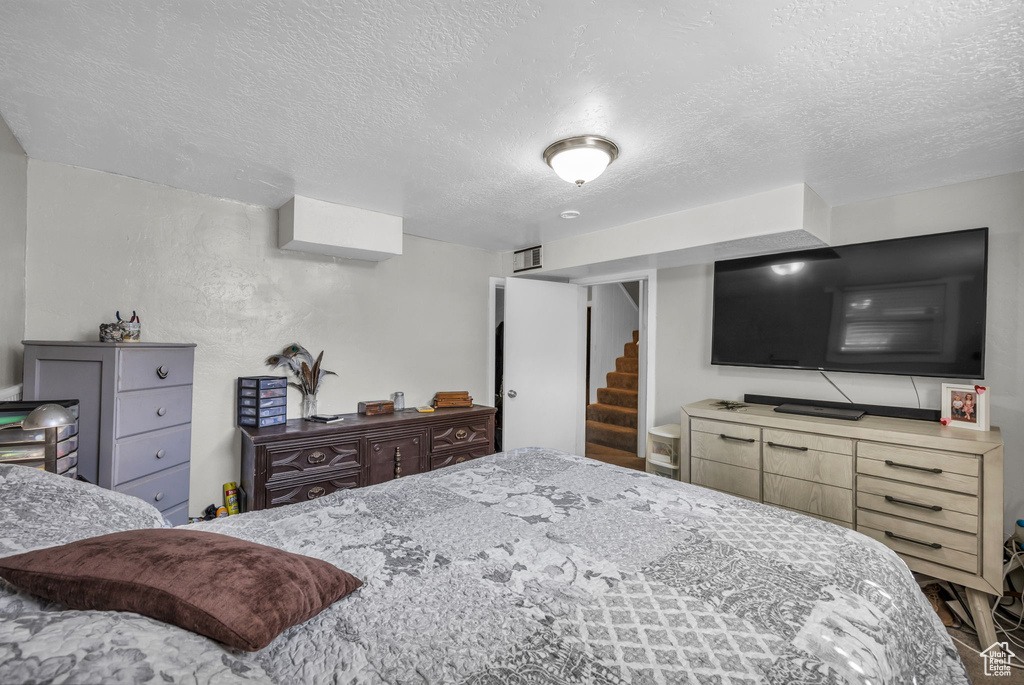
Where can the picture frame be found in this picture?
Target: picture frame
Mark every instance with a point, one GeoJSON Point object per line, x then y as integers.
{"type": "Point", "coordinates": [965, 406]}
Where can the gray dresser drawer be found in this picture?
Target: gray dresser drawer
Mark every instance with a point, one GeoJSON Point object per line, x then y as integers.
{"type": "Point", "coordinates": [164, 490]}
{"type": "Point", "coordinates": [147, 410]}
{"type": "Point", "coordinates": [151, 452]}
{"type": "Point", "coordinates": [154, 368]}
{"type": "Point", "coordinates": [178, 516]}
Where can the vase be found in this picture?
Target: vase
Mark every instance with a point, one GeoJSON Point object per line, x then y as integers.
{"type": "Point", "coordinates": [308, 406]}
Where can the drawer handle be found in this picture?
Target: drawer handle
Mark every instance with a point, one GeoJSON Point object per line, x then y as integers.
{"type": "Point", "coordinates": [461, 434]}
{"type": "Point", "coordinates": [316, 457]}
{"type": "Point", "coordinates": [460, 460]}
{"type": "Point", "coordinates": [158, 496]}
{"type": "Point", "coordinates": [787, 447]}
{"type": "Point", "coordinates": [889, 462]}
{"type": "Point", "coordinates": [162, 372]}
{"type": "Point", "coordinates": [723, 436]}
{"type": "Point", "coordinates": [315, 491]}
{"type": "Point", "coordinates": [161, 411]}
{"type": "Point", "coordinates": [160, 454]}
{"type": "Point", "coordinates": [894, 536]}
{"type": "Point", "coordinates": [933, 507]}
{"type": "Point", "coordinates": [398, 462]}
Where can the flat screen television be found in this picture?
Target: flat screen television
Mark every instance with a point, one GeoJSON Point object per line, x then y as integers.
{"type": "Point", "coordinates": [909, 306]}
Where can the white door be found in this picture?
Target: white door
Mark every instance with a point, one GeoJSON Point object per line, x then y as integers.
{"type": "Point", "coordinates": [545, 348]}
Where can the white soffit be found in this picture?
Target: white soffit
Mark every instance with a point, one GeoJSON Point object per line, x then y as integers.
{"type": "Point", "coordinates": [308, 225]}
{"type": "Point", "coordinates": [439, 111]}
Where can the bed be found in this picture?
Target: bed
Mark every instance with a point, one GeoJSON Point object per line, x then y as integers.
{"type": "Point", "coordinates": [529, 566]}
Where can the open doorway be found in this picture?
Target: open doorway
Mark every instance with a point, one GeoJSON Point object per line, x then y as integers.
{"type": "Point", "coordinates": [613, 374]}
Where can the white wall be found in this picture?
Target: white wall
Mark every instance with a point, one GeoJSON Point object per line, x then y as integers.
{"type": "Point", "coordinates": [684, 325]}
{"type": "Point", "coordinates": [13, 205]}
{"type": "Point", "coordinates": [613, 318]}
{"type": "Point", "coordinates": [206, 270]}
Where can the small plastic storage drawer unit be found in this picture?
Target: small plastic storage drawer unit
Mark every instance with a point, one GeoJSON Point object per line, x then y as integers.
{"type": "Point", "coordinates": [50, 449]}
{"type": "Point", "coordinates": [262, 400]}
{"type": "Point", "coordinates": [663, 450]}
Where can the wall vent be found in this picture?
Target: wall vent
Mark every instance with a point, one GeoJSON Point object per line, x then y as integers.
{"type": "Point", "coordinates": [524, 260]}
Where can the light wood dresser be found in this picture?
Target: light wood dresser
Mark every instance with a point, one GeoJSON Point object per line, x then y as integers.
{"type": "Point", "coordinates": [931, 493]}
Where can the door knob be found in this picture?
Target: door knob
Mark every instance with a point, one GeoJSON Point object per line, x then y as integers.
{"type": "Point", "coordinates": [511, 394]}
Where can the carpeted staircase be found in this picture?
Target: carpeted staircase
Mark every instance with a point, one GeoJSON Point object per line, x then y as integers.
{"type": "Point", "coordinates": [612, 421]}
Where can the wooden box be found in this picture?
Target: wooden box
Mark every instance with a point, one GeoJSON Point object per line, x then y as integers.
{"type": "Point", "coordinates": [376, 407]}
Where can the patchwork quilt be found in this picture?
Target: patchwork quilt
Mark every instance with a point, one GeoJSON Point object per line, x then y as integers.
{"type": "Point", "coordinates": [530, 566]}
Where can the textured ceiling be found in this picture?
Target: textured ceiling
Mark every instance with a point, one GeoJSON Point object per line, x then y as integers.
{"type": "Point", "coordinates": [439, 111]}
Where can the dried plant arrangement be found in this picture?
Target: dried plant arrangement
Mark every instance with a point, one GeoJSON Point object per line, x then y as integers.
{"type": "Point", "coordinates": [307, 372]}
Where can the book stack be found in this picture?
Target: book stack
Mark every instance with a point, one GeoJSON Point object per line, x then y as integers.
{"type": "Point", "coordinates": [458, 398]}
{"type": "Point", "coordinates": [262, 400]}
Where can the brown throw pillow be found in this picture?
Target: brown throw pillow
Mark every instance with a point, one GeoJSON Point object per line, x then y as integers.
{"type": "Point", "coordinates": [234, 591]}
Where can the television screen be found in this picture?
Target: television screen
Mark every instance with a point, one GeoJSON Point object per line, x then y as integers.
{"type": "Point", "coordinates": [910, 306]}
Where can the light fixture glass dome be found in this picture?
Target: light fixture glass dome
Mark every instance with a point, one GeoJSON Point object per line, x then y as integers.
{"type": "Point", "coordinates": [581, 159]}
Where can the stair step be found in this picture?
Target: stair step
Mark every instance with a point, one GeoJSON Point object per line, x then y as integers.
{"type": "Point", "coordinates": [610, 455]}
{"type": "Point", "coordinates": [617, 397]}
{"type": "Point", "coordinates": [627, 365]}
{"type": "Point", "coordinates": [630, 350]}
{"type": "Point", "coordinates": [636, 337]}
{"type": "Point", "coordinates": [624, 381]}
{"type": "Point", "coordinates": [619, 437]}
{"type": "Point", "coordinates": [609, 413]}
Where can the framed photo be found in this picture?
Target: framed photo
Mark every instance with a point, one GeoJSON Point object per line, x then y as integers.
{"type": "Point", "coordinates": [965, 406]}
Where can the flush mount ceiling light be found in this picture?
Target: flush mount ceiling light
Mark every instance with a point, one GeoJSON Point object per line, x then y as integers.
{"type": "Point", "coordinates": [570, 214]}
{"type": "Point", "coordinates": [580, 159]}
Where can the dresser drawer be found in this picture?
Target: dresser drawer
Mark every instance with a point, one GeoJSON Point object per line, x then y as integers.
{"type": "Point", "coordinates": [837, 522]}
{"type": "Point", "coordinates": [912, 539]}
{"type": "Point", "coordinates": [813, 498]}
{"type": "Point", "coordinates": [734, 430]}
{"type": "Point", "coordinates": [291, 492]}
{"type": "Point", "coordinates": [460, 434]}
{"type": "Point", "coordinates": [177, 516]}
{"type": "Point", "coordinates": [808, 441]}
{"type": "Point", "coordinates": [395, 457]}
{"type": "Point", "coordinates": [285, 461]}
{"type": "Point", "coordinates": [727, 478]}
{"type": "Point", "coordinates": [163, 490]}
{"type": "Point", "coordinates": [438, 461]}
{"type": "Point", "coordinates": [147, 410]}
{"type": "Point", "coordinates": [919, 467]}
{"type": "Point", "coordinates": [934, 514]}
{"type": "Point", "coordinates": [154, 368]}
{"type": "Point", "coordinates": [728, 447]}
{"type": "Point", "coordinates": [820, 467]}
{"type": "Point", "coordinates": [964, 504]}
{"type": "Point", "coordinates": [151, 452]}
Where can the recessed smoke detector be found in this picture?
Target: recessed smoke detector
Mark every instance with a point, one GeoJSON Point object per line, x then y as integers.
{"type": "Point", "coordinates": [570, 214]}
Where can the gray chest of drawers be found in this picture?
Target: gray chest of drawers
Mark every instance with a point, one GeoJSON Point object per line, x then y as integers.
{"type": "Point", "coordinates": [135, 419]}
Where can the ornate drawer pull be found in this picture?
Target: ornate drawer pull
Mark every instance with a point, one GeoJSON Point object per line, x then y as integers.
{"type": "Point", "coordinates": [787, 447]}
{"type": "Point", "coordinates": [158, 496]}
{"type": "Point", "coordinates": [894, 536]}
{"type": "Point", "coordinates": [162, 372]}
{"type": "Point", "coordinates": [161, 411]}
{"type": "Point", "coordinates": [160, 454]}
{"type": "Point", "coordinates": [461, 434]}
{"type": "Point", "coordinates": [316, 457]}
{"type": "Point", "coordinates": [460, 460]}
{"type": "Point", "coordinates": [315, 491]}
{"type": "Point", "coordinates": [723, 436]}
{"type": "Point", "coordinates": [889, 462]}
{"type": "Point", "coordinates": [933, 507]}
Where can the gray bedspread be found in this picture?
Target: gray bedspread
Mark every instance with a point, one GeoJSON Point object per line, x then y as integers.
{"type": "Point", "coordinates": [531, 566]}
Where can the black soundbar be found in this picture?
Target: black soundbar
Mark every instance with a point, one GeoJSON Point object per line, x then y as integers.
{"type": "Point", "coordinates": [870, 409]}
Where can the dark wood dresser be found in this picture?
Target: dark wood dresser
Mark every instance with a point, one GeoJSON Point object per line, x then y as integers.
{"type": "Point", "coordinates": [303, 460]}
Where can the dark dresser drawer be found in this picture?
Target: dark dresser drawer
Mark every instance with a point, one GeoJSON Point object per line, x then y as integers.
{"type": "Point", "coordinates": [466, 432]}
{"type": "Point", "coordinates": [449, 458]}
{"type": "Point", "coordinates": [394, 457]}
{"type": "Point", "coordinates": [286, 461]}
{"type": "Point", "coordinates": [292, 492]}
